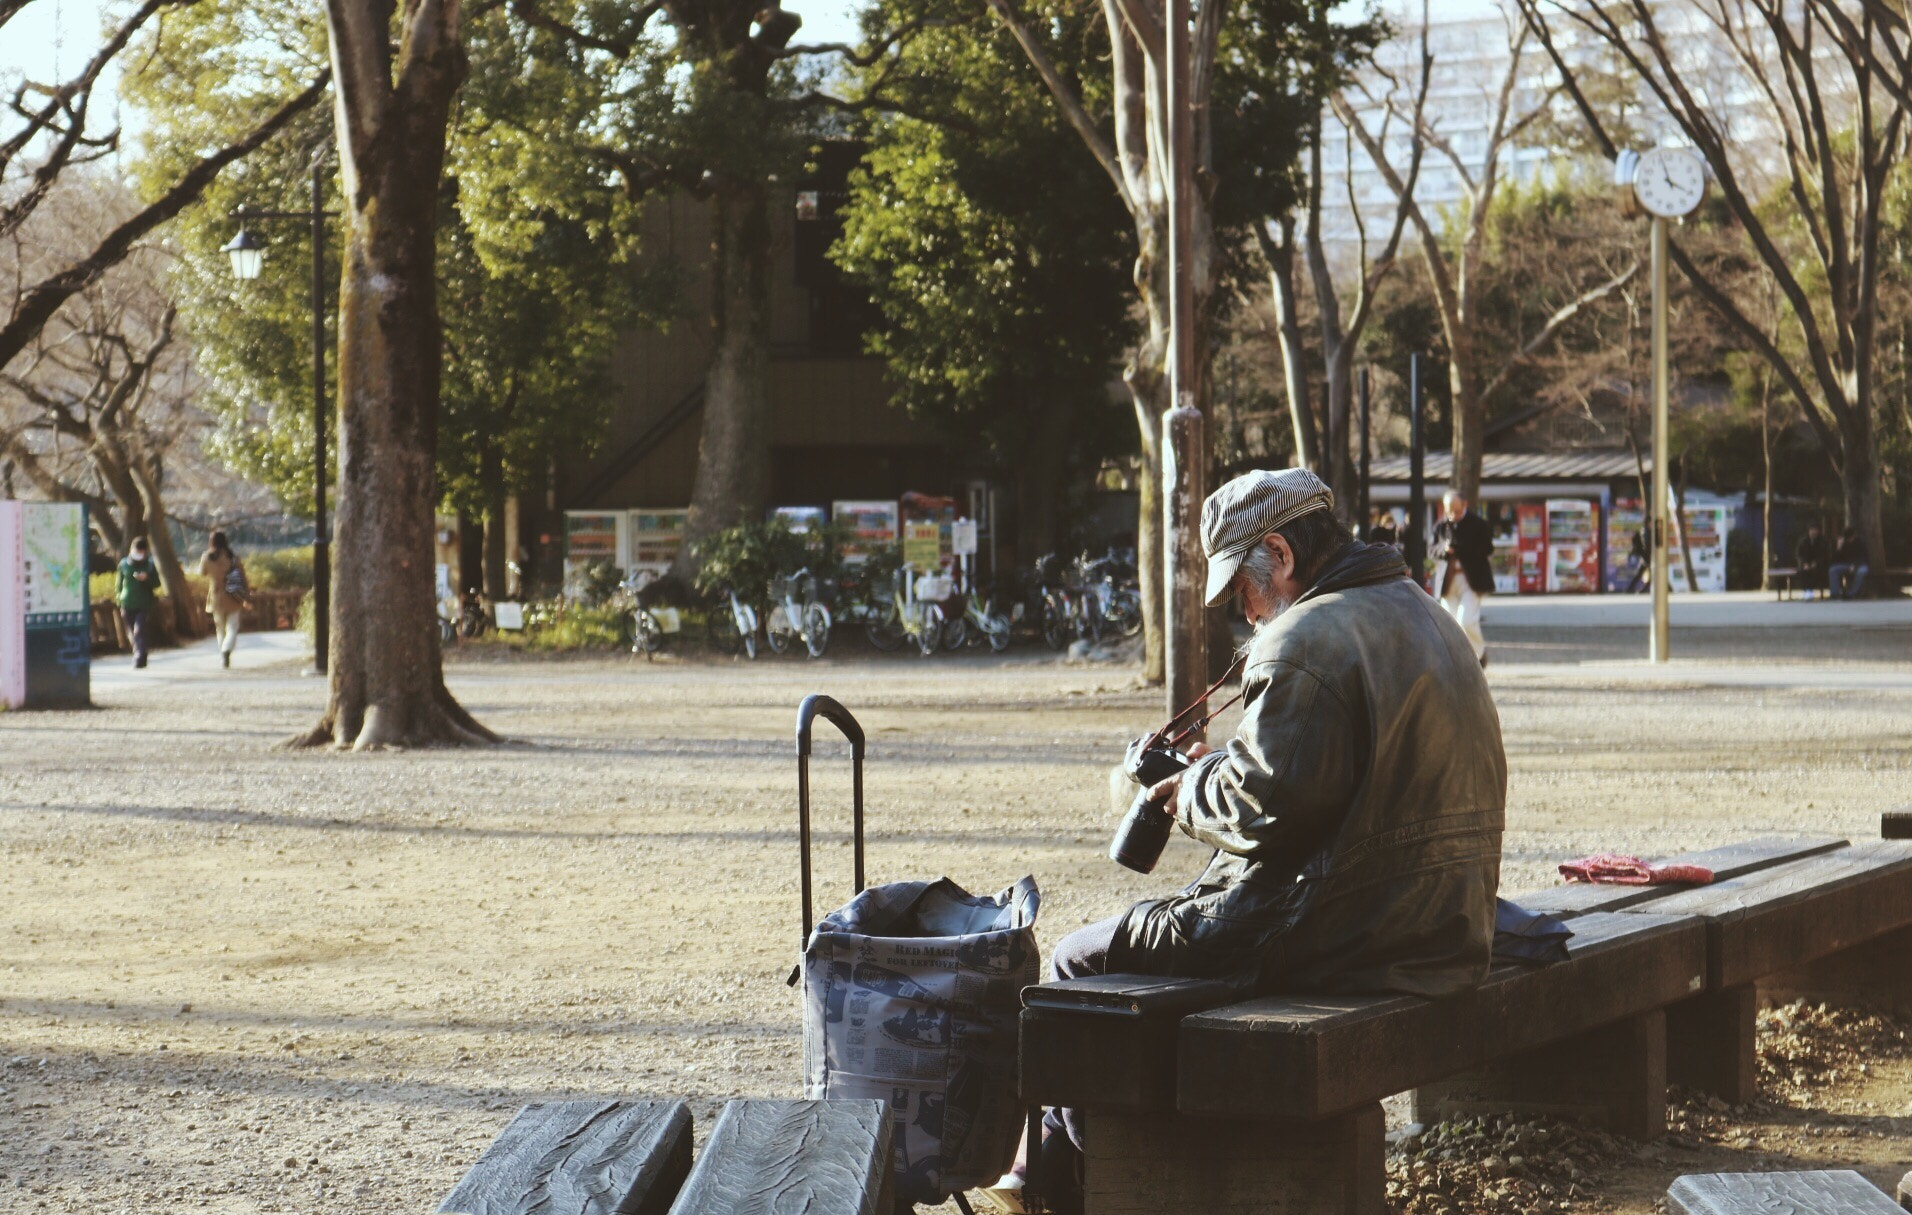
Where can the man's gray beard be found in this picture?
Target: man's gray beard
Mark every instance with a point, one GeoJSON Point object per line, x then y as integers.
{"type": "Point", "coordinates": [1281, 606]}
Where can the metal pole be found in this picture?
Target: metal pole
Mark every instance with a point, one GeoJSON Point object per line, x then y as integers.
{"type": "Point", "coordinates": [1657, 634]}
{"type": "Point", "coordinates": [1416, 546]}
{"type": "Point", "coordinates": [1361, 511]}
{"type": "Point", "coordinates": [321, 545]}
{"type": "Point", "coordinates": [1184, 449]}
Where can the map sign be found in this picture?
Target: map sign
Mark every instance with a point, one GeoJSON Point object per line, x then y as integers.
{"type": "Point", "coordinates": [45, 652]}
{"type": "Point", "coordinates": [53, 550]}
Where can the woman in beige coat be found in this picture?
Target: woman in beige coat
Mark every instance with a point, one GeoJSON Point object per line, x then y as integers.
{"type": "Point", "coordinates": [226, 606]}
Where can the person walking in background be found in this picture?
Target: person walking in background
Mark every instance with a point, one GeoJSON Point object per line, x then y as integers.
{"type": "Point", "coordinates": [136, 590]}
{"type": "Point", "coordinates": [1381, 530]}
{"type": "Point", "coordinates": [1847, 574]}
{"type": "Point", "coordinates": [226, 589]}
{"type": "Point", "coordinates": [1463, 567]}
{"type": "Point", "coordinates": [1813, 559]}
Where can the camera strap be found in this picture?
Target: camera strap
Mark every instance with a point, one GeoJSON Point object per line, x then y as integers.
{"type": "Point", "coordinates": [1201, 723]}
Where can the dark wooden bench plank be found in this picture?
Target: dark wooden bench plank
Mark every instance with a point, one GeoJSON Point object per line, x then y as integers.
{"type": "Point", "coordinates": [1905, 1191]}
{"type": "Point", "coordinates": [1312, 1056]}
{"type": "Point", "coordinates": [586, 1157]}
{"type": "Point", "coordinates": [1832, 1192]}
{"type": "Point", "coordinates": [1784, 917]}
{"type": "Point", "coordinates": [1896, 824]}
{"type": "Point", "coordinates": [818, 1157]}
{"type": "Point", "coordinates": [1732, 861]}
{"type": "Point", "coordinates": [1077, 1050]}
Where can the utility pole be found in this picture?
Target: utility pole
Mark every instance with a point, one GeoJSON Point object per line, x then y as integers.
{"type": "Point", "coordinates": [1184, 441]}
{"type": "Point", "coordinates": [1415, 548]}
{"type": "Point", "coordinates": [1662, 612]}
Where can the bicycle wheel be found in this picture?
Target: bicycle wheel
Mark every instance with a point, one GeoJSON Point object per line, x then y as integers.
{"type": "Point", "coordinates": [955, 633]}
{"type": "Point", "coordinates": [932, 632]}
{"type": "Point", "coordinates": [885, 632]}
{"type": "Point", "coordinates": [1056, 625]}
{"type": "Point", "coordinates": [1125, 614]}
{"type": "Point", "coordinates": [996, 631]}
{"type": "Point", "coordinates": [779, 630]}
{"type": "Point", "coordinates": [647, 634]}
{"type": "Point", "coordinates": [816, 629]}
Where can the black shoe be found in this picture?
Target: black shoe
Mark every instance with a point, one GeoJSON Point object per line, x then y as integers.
{"type": "Point", "coordinates": [1059, 1176]}
{"type": "Point", "coordinates": [225, 659]}
{"type": "Point", "coordinates": [1483, 660]}
{"type": "Point", "coordinates": [140, 661]}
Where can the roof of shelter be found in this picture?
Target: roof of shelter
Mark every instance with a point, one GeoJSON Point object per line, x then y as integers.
{"type": "Point", "coordinates": [1521, 466]}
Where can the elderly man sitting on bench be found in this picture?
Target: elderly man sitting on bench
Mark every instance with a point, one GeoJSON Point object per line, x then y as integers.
{"type": "Point", "coordinates": [1356, 814]}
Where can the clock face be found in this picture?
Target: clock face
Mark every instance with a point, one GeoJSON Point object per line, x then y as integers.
{"type": "Point", "coordinates": [1669, 182]}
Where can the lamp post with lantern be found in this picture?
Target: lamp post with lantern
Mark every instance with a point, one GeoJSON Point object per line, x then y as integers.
{"type": "Point", "coordinates": [247, 252]}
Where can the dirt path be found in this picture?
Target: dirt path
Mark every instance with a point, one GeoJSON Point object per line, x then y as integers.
{"type": "Point", "coordinates": [236, 979]}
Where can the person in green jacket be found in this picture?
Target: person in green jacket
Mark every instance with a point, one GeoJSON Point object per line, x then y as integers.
{"type": "Point", "coordinates": [136, 591]}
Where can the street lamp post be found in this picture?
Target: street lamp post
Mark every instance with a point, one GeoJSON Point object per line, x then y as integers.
{"type": "Point", "coordinates": [247, 252]}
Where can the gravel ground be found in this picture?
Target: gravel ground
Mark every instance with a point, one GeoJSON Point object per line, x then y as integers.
{"type": "Point", "coordinates": [238, 979]}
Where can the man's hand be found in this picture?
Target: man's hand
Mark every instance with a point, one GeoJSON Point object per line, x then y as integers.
{"type": "Point", "coordinates": [1162, 793]}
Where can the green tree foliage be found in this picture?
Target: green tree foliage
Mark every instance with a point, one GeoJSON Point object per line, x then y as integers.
{"type": "Point", "coordinates": [535, 266]}
{"type": "Point", "coordinates": [997, 259]}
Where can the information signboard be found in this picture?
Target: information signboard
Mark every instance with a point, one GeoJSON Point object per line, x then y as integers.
{"type": "Point", "coordinates": [872, 526]}
{"type": "Point", "coordinates": [45, 647]}
{"type": "Point", "coordinates": [923, 546]}
{"type": "Point", "coordinates": [962, 537]}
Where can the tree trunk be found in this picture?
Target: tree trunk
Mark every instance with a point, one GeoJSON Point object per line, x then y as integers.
{"type": "Point", "coordinates": [1469, 418]}
{"type": "Point", "coordinates": [1340, 460]}
{"type": "Point", "coordinates": [491, 473]}
{"type": "Point", "coordinates": [733, 453]}
{"type": "Point", "coordinates": [1859, 478]}
{"type": "Point", "coordinates": [386, 673]}
{"type": "Point", "coordinates": [1766, 460]}
{"type": "Point", "coordinates": [1294, 358]}
{"type": "Point", "coordinates": [1147, 379]}
{"type": "Point", "coordinates": [1679, 524]}
{"type": "Point", "coordinates": [189, 615]}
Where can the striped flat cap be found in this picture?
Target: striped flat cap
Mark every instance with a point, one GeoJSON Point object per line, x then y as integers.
{"type": "Point", "coordinates": [1240, 513]}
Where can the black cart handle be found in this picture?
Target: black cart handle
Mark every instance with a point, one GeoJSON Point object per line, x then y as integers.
{"type": "Point", "coordinates": [818, 705]}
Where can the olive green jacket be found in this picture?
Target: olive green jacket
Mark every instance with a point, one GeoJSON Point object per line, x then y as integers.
{"type": "Point", "coordinates": [132, 593]}
{"type": "Point", "coordinates": [1357, 813]}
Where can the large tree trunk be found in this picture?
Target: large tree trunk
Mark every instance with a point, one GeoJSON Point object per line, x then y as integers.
{"type": "Point", "coordinates": [387, 677]}
{"type": "Point", "coordinates": [733, 453]}
{"type": "Point", "coordinates": [1859, 478]}
{"type": "Point", "coordinates": [1340, 460]}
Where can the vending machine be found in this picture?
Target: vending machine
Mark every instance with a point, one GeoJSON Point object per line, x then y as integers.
{"type": "Point", "coordinates": [1707, 524]}
{"type": "Point", "coordinates": [1573, 545]}
{"type": "Point", "coordinates": [1531, 541]}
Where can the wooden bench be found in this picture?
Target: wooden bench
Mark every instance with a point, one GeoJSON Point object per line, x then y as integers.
{"type": "Point", "coordinates": [1896, 824]}
{"type": "Point", "coordinates": [1211, 1108]}
{"type": "Point", "coordinates": [1832, 1192]}
{"type": "Point", "coordinates": [1215, 1110]}
{"type": "Point", "coordinates": [1905, 1191]}
{"type": "Point", "coordinates": [1818, 919]}
{"type": "Point", "coordinates": [634, 1158]}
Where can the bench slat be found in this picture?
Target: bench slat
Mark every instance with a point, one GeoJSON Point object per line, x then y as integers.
{"type": "Point", "coordinates": [587, 1157]}
{"type": "Point", "coordinates": [1311, 1056]}
{"type": "Point", "coordinates": [1780, 918]}
{"type": "Point", "coordinates": [818, 1157]}
{"type": "Point", "coordinates": [1831, 1192]}
{"type": "Point", "coordinates": [1896, 824]}
{"type": "Point", "coordinates": [1727, 863]}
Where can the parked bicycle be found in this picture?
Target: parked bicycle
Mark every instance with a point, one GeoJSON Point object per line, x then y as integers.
{"type": "Point", "coordinates": [732, 623]}
{"type": "Point", "coordinates": [1066, 611]}
{"type": "Point", "coordinates": [797, 614]}
{"type": "Point", "coordinates": [976, 621]}
{"type": "Point", "coordinates": [652, 626]}
{"type": "Point", "coordinates": [1118, 597]}
{"type": "Point", "coordinates": [915, 614]}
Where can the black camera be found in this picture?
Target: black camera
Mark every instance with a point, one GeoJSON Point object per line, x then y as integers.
{"type": "Point", "coordinates": [1150, 761]}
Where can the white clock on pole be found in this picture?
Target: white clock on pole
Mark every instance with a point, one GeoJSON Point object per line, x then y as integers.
{"type": "Point", "coordinates": [1669, 182]}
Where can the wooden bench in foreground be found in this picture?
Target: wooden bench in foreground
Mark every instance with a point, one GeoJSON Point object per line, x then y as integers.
{"type": "Point", "coordinates": [1215, 1109]}
{"type": "Point", "coordinates": [1831, 1192]}
{"type": "Point", "coordinates": [634, 1158]}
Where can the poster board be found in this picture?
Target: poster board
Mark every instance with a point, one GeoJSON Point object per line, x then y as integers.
{"type": "Point", "coordinates": [45, 641]}
{"type": "Point", "coordinates": [872, 526]}
{"type": "Point", "coordinates": [922, 546]}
